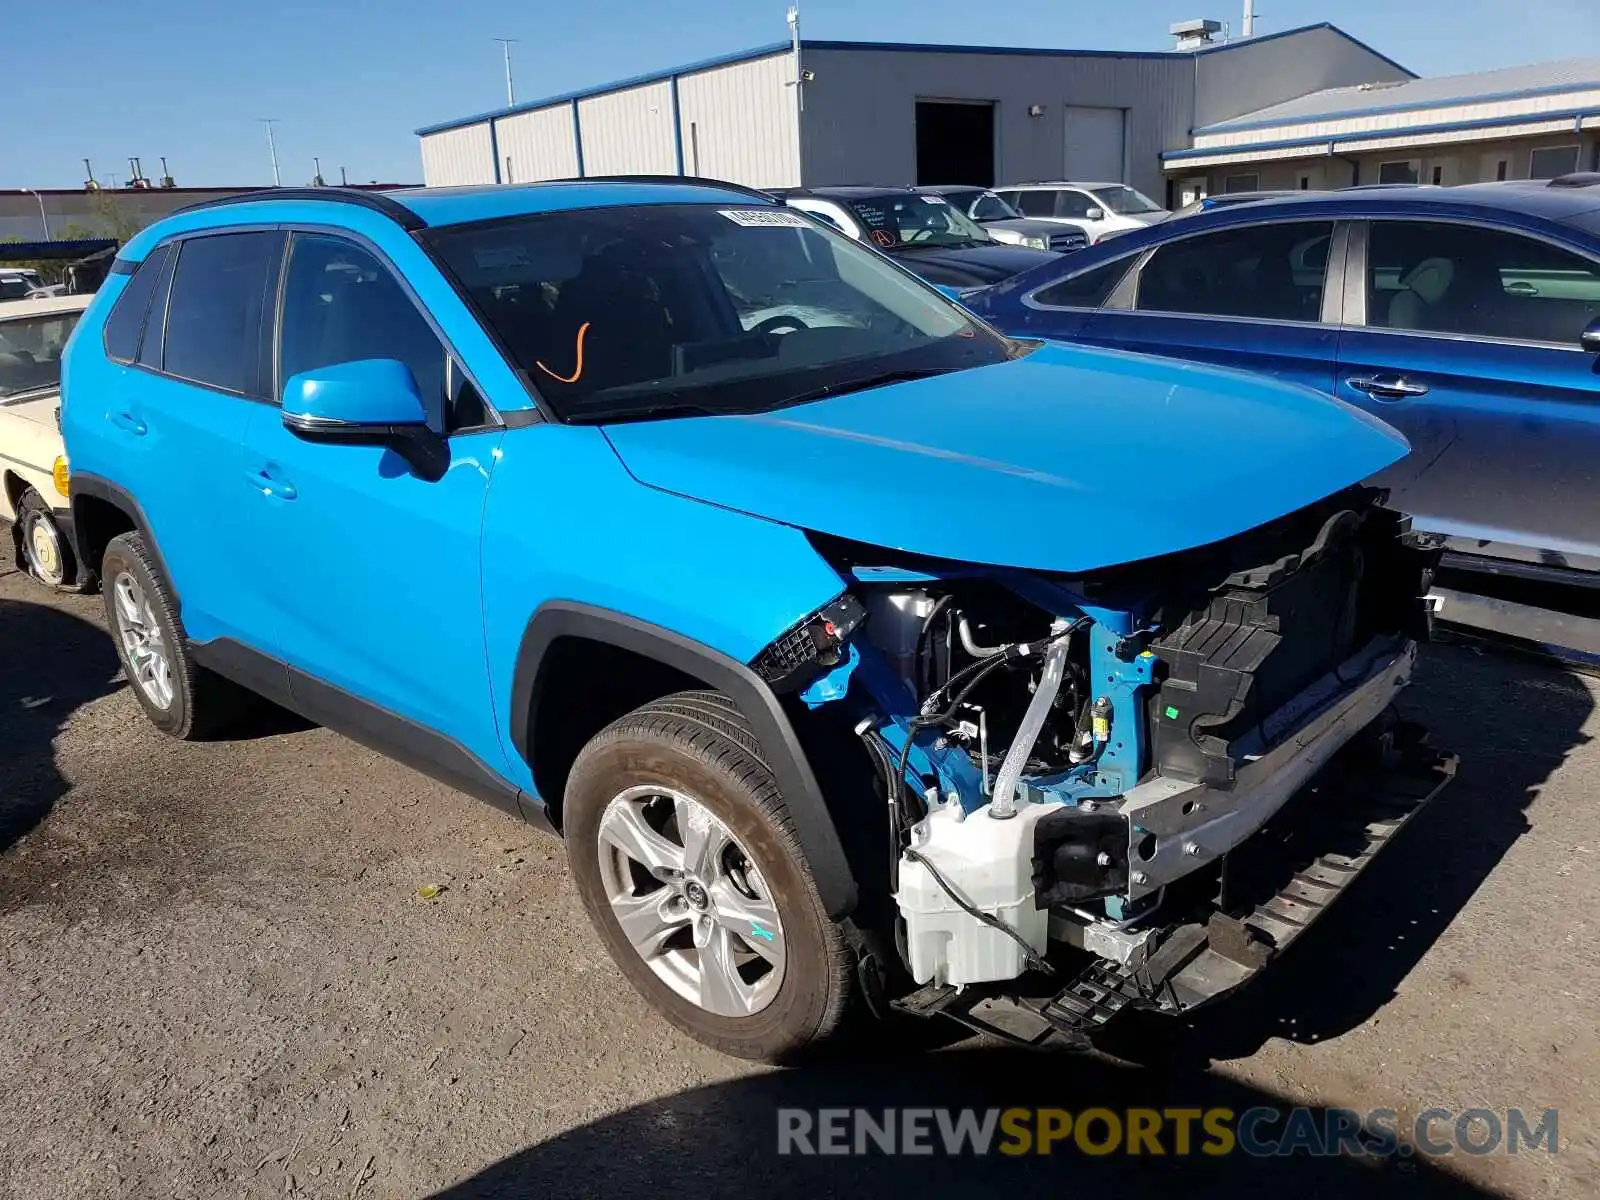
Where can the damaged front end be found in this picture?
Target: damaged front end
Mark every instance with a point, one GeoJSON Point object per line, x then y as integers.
{"type": "Point", "coordinates": [1135, 787]}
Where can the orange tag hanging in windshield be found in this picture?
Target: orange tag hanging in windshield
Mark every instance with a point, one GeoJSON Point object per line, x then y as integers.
{"type": "Point", "coordinates": [577, 371]}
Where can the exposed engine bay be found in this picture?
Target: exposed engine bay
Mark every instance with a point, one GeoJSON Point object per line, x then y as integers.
{"type": "Point", "coordinates": [1077, 762]}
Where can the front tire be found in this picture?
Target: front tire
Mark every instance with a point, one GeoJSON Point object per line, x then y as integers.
{"type": "Point", "coordinates": [181, 698]}
{"type": "Point", "coordinates": [688, 865]}
{"type": "Point", "coordinates": [44, 550]}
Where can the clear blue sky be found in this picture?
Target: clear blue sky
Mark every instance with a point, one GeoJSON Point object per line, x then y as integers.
{"type": "Point", "coordinates": [350, 79]}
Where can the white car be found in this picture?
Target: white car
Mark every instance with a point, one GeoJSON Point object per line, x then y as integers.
{"type": "Point", "coordinates": [1101, 210]}
{"type": "Point", "coordinates": [33, 465]}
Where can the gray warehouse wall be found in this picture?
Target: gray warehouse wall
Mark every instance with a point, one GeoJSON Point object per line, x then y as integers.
{"type": "Point", "coordinates": [1247, 76]}
{"type": "Point", "coordinates": [739, 123]}
{"type": "Point", "coordinates": [859, 123]}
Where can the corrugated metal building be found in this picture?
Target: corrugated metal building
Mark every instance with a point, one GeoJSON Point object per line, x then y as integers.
{"type": "Point", "coordinates": [1515, 123]}
{"type": "Point", "coordinates": [836, 112]}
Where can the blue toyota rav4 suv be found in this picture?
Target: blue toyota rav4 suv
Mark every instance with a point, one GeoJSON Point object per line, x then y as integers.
{"type": "Point", "coordinates": [868, 660]}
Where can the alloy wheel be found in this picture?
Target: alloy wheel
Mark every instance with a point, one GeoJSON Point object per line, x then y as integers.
{"type": "Point", "coordinates": [689, 899]}
{"type": "Point", "coordinates": [145, 649]}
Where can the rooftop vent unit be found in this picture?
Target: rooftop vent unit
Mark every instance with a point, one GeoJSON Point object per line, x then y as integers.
{"type": "Point", "coordinates": [1192, 35]}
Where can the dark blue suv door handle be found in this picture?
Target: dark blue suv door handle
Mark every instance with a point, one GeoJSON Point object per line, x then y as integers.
{"type": "Point", "coordinates": [1387, 387]}
{"type": "Point", "coordinates": [264, 481]}
{"type": "Point", "coordinates": [126, 420]}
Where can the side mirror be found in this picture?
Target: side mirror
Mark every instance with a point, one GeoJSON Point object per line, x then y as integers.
{"type": "Point", "coordinates": [371, 402]}
{"type": "Point", "coordinates": [1095, 214]}
{"type": "Point", "coordinates": [1589, 339]}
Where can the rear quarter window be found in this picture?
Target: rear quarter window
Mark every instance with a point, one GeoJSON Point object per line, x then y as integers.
{"type": "Point", "coordinates": [125, 325]}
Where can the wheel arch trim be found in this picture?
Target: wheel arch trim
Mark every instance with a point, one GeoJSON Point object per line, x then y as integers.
{"type": "Point", "coordinates": [814, 825]}
{"type": "Point", "coordinates": [100, 488]}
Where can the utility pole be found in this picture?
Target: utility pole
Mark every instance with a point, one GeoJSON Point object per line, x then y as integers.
{"type": "Point", "coordinates": [316, 178]}
{"type": "Point", "coordinates": [1247, 27]}
{"type": "Point", "coordinates": [511, 92]}
{"type": "Point", "coordinates": [272, 149]}
{"type": "Point", "coordinates": [43, 220]}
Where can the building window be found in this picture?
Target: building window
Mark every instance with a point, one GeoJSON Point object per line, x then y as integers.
{"type": "Point", "coordinates": [1438, 176]}
{"type": "Point", "coordinates": [1500, 169]}
{"type": "Point", "coordinates": [1403, 171]}
{"type": "Point", "coordinates": [1552, 161]}
{"type": "Point", "coordinates": [1241, 183]}
{"type": "Point", "coordinates": [1305, 183]}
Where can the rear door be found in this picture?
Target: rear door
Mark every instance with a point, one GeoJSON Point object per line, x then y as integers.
{"type": "Point", "coordinates": [1253, 296]}
{"type": "Point", "coordinates": [1466, 339]}
{"type": "Point", "coordinates": [176, 420]}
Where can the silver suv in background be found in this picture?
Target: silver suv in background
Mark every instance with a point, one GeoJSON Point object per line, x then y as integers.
{"type": "Point", "coordinates": [1101, 210]}
{"type": "Point", "coordinates": [1005, 224]}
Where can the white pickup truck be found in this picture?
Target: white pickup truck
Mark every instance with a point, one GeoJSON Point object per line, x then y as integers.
{"type": "Point", "coordinates": [33, 465]}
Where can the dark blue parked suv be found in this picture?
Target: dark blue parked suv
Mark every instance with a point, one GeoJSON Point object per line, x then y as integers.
{"type": "Point", "coordinates": [865, 657]}
{"type": "Point", "coordinates": [1468, 318]}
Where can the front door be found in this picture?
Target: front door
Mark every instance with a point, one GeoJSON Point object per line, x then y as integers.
{"type": "Point", "coordinates": [1247, 296]}
{"type": "Point", "coordinates": [1470, 347]}
{"type": "Point", "coordinates": [376, 579]}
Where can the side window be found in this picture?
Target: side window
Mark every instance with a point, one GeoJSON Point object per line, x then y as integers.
{"type": "Point", "coordinates": [1464, 279]}
{"type": "Point", "coordinates": [155, 323]}
{"type": "Point", "coordinates": [213, 334]}
{"type": "Point", "coordinates": [1087, 289]}
{"type": "Point", "coordinates": [340, 304]}
{"type": "Point", "coordinates": [1074, 204]}
{"type": "Point", "coordinates": [126, 321]}
{"type": "Point", "coordinates": [1037, 203]}
{"type": "Point", "coordinates": [1268, 272]}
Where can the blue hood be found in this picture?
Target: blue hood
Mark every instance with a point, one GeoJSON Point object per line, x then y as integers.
{"type": "Point", "coordinates": [1067, 460]}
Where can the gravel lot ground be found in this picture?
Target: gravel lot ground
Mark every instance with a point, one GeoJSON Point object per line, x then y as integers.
{"type": "Point", "coordinates": [216, 979]}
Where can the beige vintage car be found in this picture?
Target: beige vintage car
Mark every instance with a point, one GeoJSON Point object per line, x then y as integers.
{"type": "Point", "coordinates": [33, 466]}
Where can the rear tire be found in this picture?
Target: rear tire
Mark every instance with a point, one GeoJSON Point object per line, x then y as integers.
{"type": "Point", "coordinates": [181, 698]}
{"type": "Point", "coordinates": [676, 828]}
{"type": "Point", "coordinates": [43, 550]}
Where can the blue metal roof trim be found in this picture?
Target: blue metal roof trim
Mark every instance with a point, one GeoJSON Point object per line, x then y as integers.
{"type": "Point", "coordinates": [441, 207]}
{"type": "Point", "coordinates": [740, 56]}
{"type": "Point", "coordinates": [1239, 126]}
{"type": "Point", "coordinates": [1570, 114]}
{"type": "Point", "coordinates": [1283, 33]}
{"type": "Point", "coordinates": [616, 85]}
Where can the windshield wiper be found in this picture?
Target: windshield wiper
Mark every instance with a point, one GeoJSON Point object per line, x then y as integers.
{"type": "Point", "coordinates": [864, 383]}
{"type": "Point", "coordinates": [625, 411]}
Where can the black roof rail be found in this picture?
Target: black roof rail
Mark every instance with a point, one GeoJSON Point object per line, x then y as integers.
{"type": "Point", "coordinates": [374, 201]}
{"type": "Point", "coordinates": [1576, 179]}
{"type": "Point", "coordinates": [691, 180]}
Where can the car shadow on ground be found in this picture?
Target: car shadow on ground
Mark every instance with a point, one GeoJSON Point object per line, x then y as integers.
{"type": "Point", "coordinates": [1513, 721]}
{"type": "Point", "coordinates": [722, 1140]}
{"type": "Point", "coordinates": [51, 663]}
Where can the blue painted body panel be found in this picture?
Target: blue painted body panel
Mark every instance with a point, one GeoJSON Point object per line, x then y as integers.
{"type": "Point", "coordinates": [1504, 443]}
{"type": "Point", "coordinates": [1047, 462]}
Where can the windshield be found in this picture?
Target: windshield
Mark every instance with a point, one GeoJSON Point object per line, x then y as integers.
{"type": "Point", "coordinates": [30, 352]}
{"type": "Point", "coordinates": [636, 311]}
{"type": "Point", "coordinates": [910, 219]}
{"type": "Point", "coordinates": [1124, 200]}
{"type": "Point", "coordinates": [982, 206]}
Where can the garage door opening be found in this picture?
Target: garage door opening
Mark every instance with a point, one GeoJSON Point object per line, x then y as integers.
{"type": "Point", "coordinates": [955, 142]}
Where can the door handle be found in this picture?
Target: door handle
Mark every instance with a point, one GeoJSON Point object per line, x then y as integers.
{"type": "Point", "coordinates": [264, 481]}
{"type": "Point", "coordinates": [126, 420]}
{"type": "Point", "coordinates": [1387, 387]}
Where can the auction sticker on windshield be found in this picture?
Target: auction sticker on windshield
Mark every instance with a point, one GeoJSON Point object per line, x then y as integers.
{"type": "Point", "coordinates": [757, 217]}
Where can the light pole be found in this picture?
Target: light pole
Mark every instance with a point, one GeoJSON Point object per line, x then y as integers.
{"type": "Point", "coordinates": [272, 148]}
{"type": "Point", "coordinates": [511, 94]}
{"type": "Point", "coordinates": [43, 220]}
